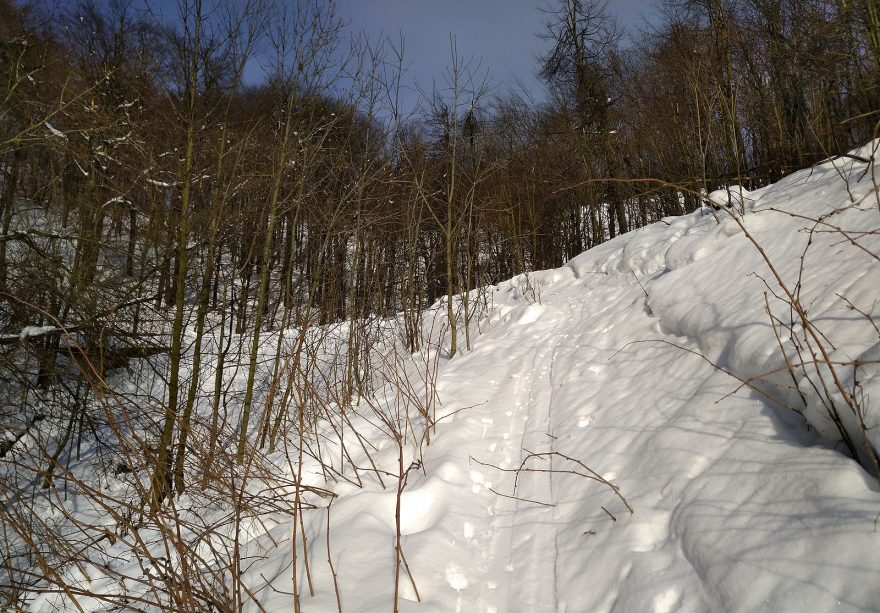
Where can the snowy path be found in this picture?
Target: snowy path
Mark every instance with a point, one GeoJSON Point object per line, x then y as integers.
{"type": "Point", "coordinates": [561, 361]}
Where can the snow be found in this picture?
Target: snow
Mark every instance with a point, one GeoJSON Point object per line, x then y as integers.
{"type": "Point", "coordinates": [620, 373]}
{"type": "Point", "coordinates": [736, 505]}
{"type": "Point", "coordinates": [34, 331]}
{"type": "Point", "coordinates": [116, 200]}
{"type": "Point", "coordinates": [55, 131]}
{"type": "Point", "coordinates": [735, 197]}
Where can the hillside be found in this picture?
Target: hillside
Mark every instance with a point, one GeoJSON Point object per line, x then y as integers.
{"type": "Point", "coordinates": [668, 458]}
{"type": "Point", "coordinates": [340, 306]}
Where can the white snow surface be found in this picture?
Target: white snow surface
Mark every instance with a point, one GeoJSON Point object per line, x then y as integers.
{"type": "Point", "coordinates": [55, 131]}
{"type": "Point", "coordinates": [738, 504]}
{"type": "Point", "coordinates": [34, 331]}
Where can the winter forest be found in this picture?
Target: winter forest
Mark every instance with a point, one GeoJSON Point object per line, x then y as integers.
{"type": "Point", "coordinates": [272, 340]}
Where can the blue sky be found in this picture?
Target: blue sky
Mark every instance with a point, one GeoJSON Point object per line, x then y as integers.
{"type": "Point", "coordinates": [497, 35]}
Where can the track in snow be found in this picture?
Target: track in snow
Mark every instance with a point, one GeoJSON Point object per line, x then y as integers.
{"type": "Point", "coordinates": [520, 546]}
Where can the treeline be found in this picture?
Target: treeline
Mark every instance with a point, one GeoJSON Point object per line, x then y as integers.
{"type": "Point", "coordinates": [235, 168]}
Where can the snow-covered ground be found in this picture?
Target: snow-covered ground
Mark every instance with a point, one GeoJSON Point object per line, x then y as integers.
{"type": "Point", "coordinates": [615, 381]}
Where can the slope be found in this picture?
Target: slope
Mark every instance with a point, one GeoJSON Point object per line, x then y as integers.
{"type": "Point", "coordinates": [597, 450]}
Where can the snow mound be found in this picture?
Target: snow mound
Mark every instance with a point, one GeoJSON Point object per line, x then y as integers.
{"type": "Point", "coordinates": [734, 197]}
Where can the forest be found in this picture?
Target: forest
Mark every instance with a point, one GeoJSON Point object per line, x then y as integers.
{"type": "Point", "coordinates": [212, 226]}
